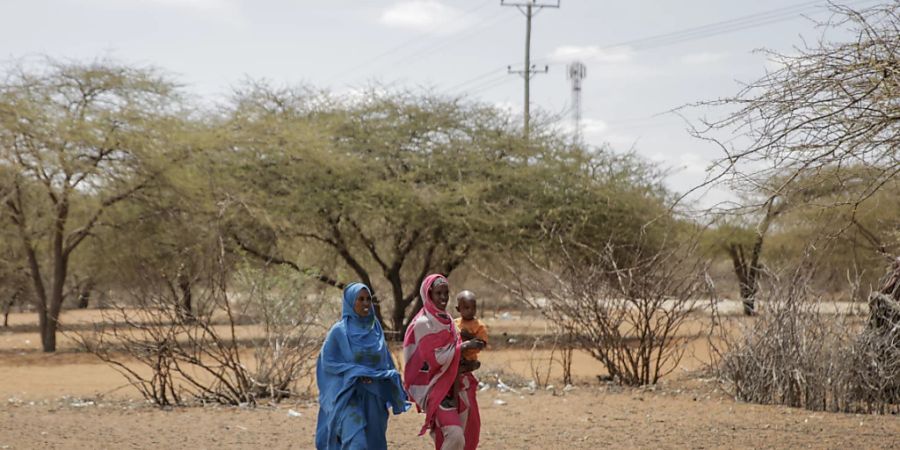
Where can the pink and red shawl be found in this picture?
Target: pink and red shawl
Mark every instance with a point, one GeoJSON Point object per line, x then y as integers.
{"type": "Point", "coordinates": [431, 351]}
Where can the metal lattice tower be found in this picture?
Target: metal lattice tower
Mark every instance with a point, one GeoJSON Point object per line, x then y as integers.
{"type": "Point", "coordinates": [576, 72]}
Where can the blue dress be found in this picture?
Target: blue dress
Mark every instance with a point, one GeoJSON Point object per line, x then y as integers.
{"type": "Point", "coordinates": [352, 414]}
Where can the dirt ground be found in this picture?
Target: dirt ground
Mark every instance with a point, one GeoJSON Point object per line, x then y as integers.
{"type": "Point", "coordinates": [70, 400]}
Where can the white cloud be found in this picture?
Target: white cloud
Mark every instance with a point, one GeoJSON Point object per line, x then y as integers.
{"type": "Point", "coordinates": [422, 15]}
{"type": "Point", "coordinates": [703, 58]}
{"type": "Point", "coordinates": [692, 163]}
{"type": "Point", "coordinates": [590, 128]}
{"type": "Point", "coordinates": [599, 132]}
{"type": "Point", "coordinates": [688, 163]}
{"type": "Point", "coordinates": [605, 63]}
{"type": "Point", "coordinates": [593, 126]}
{"type": "Point", "coordinates": [617, 142]}
{"type": "Point", "coordinates": [591, 53]}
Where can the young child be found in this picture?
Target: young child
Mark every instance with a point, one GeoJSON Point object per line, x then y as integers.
{"type": "Point", "coordinates": [472, 331]}
{"type": "Point", "coordinates": [474, 335]}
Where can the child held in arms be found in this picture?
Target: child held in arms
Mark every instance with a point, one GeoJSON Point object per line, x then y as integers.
{"type": "Point", "coordinates": [472, 331]}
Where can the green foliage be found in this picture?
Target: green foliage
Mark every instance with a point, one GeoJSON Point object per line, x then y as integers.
{"type": "Point", "coordinates": [817, 138]}
{"type": "Point", "coordinates": [379, 187]}
{"type": "Point", "coordinates": [854, 240]}
{"type": "Point", "coordinates": [78, 139]}
{"type": "Point", "coordinates": [400, 185]}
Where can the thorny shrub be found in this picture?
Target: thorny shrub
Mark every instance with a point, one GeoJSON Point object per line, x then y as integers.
{"type": "Point", "coordinates": [627, 315]}
{"type": "Point", "coordinates": [173, 359]}
{"type": "Point", "coordinates": [804, 353]}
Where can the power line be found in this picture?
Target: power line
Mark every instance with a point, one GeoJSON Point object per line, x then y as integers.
{"type": "Point", "coordinates": [492, 80]}
{"type": "Point", "coordinates": [655, 41]}
{"type": "Point", "coordinates": [494, 71]}
{"type": "Point", "coordinates": [414, 40]}
{"type": "Point", "coordinates": [487, 86]}
{"type": "Point", "coordinates": [478, 27]}
{"type": "Point", "coordinates": [718, 28]}
{"type": "Point", "coordinates": [725, 27]}
{"type": "Point", "coordinates": [675, 37]}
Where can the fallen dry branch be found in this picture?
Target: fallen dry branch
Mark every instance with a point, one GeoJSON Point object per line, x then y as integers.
{"type": "Point", "coordinates": [794, 355]}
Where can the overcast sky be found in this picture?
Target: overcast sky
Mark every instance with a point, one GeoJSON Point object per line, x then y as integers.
{"type": "Point", "coordinates": [453, 46]}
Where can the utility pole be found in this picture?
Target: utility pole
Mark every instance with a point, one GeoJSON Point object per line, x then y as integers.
{"type": "Point", "coordinates": [529, 8]}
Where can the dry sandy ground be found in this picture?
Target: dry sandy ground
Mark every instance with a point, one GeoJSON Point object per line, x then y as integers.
{"type": "Point", "coordinates": [69, 400]}
{"type": "Point", "coordinates": [586, 418]}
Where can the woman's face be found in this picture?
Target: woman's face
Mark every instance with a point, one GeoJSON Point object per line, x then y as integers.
{"type": "Point", "coordinates": [440, 295]}
{"type": "Point", "coordinates": [363, 305]}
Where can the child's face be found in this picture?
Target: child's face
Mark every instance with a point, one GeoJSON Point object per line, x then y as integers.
{"type": "Point", "coordinates": [467, 308]}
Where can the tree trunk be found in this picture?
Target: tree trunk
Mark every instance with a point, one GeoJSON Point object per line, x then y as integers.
{"type": "Point", "coordinates": [8, 307]}
{"type": "Point", "coordinates": [60, 261]}
{"type": "Point", "coordinates": [84, 294]}
{"type": "Point", "coordinates": [50, 322]}
{"type": "Point", "coordinates": [185, 306]}
{"type": "Point", "coordinates": [747, 273]}
{"type": "Point", "coordinates": [398, 314]}
{"type": "Point", "coordinates": [48, 332]}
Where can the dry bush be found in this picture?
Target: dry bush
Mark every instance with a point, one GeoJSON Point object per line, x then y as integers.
{"type": "Point", "coordinates": [541, 367]}
{"type": "Point", "coordinates": [176, 358]}
{"type": "Point", "coordinates": [788, 354]}
{"type": "Point", "coordinates": [562, 348]}
{"type": "Point", "coordinates": [875, 369]}
{"type": "Point", "coordinates": [172, 359]}
{"type": "Point", "coordinates": [626, 315]}
{"type": "Point", "coordinates": [286, 349]}
{"type": "Point", "coordinates": [799, 353]}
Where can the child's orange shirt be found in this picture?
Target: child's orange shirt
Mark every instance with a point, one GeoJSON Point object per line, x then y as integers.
{"type": "Point", "coordinates": [476, 328]}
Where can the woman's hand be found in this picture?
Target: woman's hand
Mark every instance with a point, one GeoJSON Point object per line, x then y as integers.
{"type": "Point", "coordinates": [468, 366]}
{"type": "Point", "coordinates": [473, 344]}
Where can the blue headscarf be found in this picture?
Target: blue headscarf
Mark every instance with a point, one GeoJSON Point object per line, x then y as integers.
{"type": "Point", "coordinates": [355, 348]}
{"type": "Point", "coordinates": [364, 332]}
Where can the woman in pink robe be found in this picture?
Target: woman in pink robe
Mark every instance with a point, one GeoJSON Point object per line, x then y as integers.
{"type": "Point", "coordinates": [431, 350]}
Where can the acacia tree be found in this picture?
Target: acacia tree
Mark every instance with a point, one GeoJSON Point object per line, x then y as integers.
{"type": "Point", "coordinates": [824, 122]}
{"type": "Point", "coordinates": [165, 231]}
{"type": "Point", "coordinates": [392, 185]}
{"type": "Point", "coordinates": [13, 277]}
{"type": "Point", "coordinates": [80, 138]}
{"type": "Point", "coordinates": [859, 239]}
{"type": "Point", "coordinates": [742, 242]}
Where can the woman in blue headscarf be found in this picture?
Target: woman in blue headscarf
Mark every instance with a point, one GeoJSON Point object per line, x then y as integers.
{"type": "Point", "coordinates": [357, 379]}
